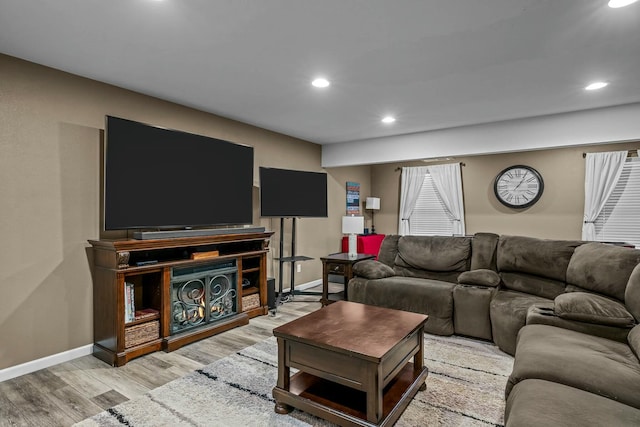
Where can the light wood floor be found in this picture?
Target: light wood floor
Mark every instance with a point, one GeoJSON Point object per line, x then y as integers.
{"type": "Point", "coordinates": [72, 391]}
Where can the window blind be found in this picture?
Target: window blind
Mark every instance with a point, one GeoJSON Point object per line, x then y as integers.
{"type": "Point", "coordinates": [619, 220]}
{"type": "Point", "coordinates": [429, 217]}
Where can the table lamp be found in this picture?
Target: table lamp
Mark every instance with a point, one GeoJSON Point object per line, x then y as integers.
{"type": "Point", "coordinates": [353, 225]}
{"type": "Point", "coordinates": [373, 203]}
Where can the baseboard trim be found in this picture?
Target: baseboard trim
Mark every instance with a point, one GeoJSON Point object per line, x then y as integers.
{"type": "Point", "coordinates": [65, 356]}
{"type": "Point", "coordinates": [304, 286]}
{"type": "Point", "coordinates": [45, 362]}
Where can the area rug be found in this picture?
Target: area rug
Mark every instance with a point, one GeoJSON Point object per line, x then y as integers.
{"type": "Point", "coordinates": [465, 387]}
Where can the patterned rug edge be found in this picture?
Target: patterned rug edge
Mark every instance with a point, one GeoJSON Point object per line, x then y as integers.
{"type": "Point", "coordinates": [465, 387]}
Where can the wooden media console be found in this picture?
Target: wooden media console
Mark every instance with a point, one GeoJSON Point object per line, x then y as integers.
{"type": "Point", "coordinates": [151, 295]}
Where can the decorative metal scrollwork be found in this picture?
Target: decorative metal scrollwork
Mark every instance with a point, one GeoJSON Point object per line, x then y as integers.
{"type": "Point", "coordinates": [222, 295]}
{"type": "Point", "coordinates": [201, 297]}
{"type": "Point", "coordinates": [189, 304]}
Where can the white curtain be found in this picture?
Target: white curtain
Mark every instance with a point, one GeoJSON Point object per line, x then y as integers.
{"type": "Point", "coordinates": [411, 184]}
{"type": "Point", "coordinates": [602, 173]}
{"type": "Point", "coordinates": [447, 179]}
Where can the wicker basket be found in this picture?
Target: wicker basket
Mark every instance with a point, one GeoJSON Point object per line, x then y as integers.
{"type": "Point", "coordinates": [141, 333]}
{"type": "Point", "coordinates": [250, 302]}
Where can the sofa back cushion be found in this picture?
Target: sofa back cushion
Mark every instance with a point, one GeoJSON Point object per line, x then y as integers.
{"type": "Point", "coordinates": [530, 284]}
{"type": "Point", "coordinates": [389, 250]}
{"type": "Point", "coordinates": [483, 251]}
{"type": "Point", "coordinates": [602, 268]}
{"type": "Point", "coordinates": [540, 257]}
{"type": "Point", "coordinates": [443, 276]}
{"type": "Point", "coordinates": [434, 253]}
{"type": "Point", "coordinates": [632, 293]}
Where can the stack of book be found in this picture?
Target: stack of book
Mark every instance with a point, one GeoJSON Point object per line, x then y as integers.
{"type": "Point", "coordinates": [146, 313]}
{"type": "Point", "coordinates": [129, 302]}
{"type": "Point", "coordinates": [130, 312]}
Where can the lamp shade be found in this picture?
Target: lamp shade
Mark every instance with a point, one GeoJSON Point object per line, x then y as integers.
{"type": "Point", "coordinates": [352, 224]}
{"type": "Point", "coordinates": [373, 203]}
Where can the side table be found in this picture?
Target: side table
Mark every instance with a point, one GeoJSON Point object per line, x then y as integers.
{"type": "Point", "coordinates": [339, 264]}
{"type": "Point", "coordinates": [366, 243]}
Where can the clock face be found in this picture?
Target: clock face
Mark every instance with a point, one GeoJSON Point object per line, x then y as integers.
{"type": "Point", "coordinates": [518, 186]}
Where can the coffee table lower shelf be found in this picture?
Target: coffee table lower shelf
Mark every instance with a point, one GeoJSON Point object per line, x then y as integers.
{"type": "Point", "coordinates": [345, 406]}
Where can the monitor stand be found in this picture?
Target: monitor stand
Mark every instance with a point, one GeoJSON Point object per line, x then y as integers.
{"type": "Point", "coordinates": [292, 259]}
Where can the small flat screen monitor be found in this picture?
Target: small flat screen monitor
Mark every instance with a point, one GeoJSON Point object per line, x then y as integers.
{"type": "Point", "coordinates": [291, 193]}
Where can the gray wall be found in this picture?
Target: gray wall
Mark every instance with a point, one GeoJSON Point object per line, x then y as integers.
{"type": "Point", "coordinates": [557, 215]}
{"type": "Point", "coordinates": [50, 132]}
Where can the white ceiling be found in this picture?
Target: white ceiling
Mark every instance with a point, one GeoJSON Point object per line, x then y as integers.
{"type": "Point", "coordinates": [432, 64]}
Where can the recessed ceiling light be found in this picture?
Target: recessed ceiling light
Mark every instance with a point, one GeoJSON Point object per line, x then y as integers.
{"type": "Point", "coordinates": [321, 82]}
{"type": "Point", "coordinates": [620, 3]}
{"type": "Point", "coordinates": [596, 85]}
{"type": "Point", "coordinates": [388, 119]}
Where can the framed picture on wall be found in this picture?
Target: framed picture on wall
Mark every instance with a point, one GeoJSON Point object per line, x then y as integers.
{"type": "Point", "coordinates": [353, 198]}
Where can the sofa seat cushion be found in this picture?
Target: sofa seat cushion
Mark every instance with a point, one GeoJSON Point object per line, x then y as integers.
{"type": "Point", "coordinates": [431, 297]}
{"type": "Point", "coordinates": [508, 312]}
{"type": "Point", "coordinates": [602, 268]}
{"type": "Point", "coordinates": [480, 277]}
{"type": "Point", "coordinates": [593, 308]}
{"type": "Point", "coordinates": [594, 364]}
{"type": "Point", "coordinates": [434, 253]}
{"type": "Point", "coordinates": [543, 403]}
{"type": "Point", "coordinates": [372, 269]}
{"type": "Point", "coordinates": [543, 314]}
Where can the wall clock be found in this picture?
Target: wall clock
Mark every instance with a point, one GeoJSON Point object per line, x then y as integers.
{"type": "Point", "coordinates": [518, 186]}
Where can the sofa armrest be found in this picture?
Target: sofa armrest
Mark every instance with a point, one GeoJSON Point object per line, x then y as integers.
{"type": "Point", "coordinates": [592, 308]}
{"type": "Point", "coordinates": [634, 340]}
{"type": "Point", "coordinates": [372, 269]}
{"type": "Point", "coordinates": [480, 277]}
{"type": "Point", "coordinates": [543, 314]}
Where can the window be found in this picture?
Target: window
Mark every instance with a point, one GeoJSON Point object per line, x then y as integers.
{"type": "Point", "coordinates": [619, 220]}
{"type": "Point", "coordinates": [430, 217]}
{"type": "Point", "coordinates": [431, 201]}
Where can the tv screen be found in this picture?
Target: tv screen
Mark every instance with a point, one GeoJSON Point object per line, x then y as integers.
{"type": "Point", "coordinates": [290, 193]}
{"type": "Point", "coordinates": [161, 178]}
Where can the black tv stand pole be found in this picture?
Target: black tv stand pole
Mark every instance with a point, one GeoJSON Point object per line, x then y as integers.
{"type": "Point", "coordinates": [293, 258]}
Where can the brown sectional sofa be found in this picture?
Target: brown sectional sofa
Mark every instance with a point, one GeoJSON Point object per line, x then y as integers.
{"type": "Point", "coordinates": [417, 274]}
{"type": "Point", "coordinates": [572, 374]}
{"type": "Point", "coordinates": [532, 271]}
{"type": "Point", "coordinates": [576, 360]}
{"type": "Point", "coordinates": [566, 378]}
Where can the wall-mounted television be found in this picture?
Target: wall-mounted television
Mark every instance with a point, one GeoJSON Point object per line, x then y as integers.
{"type": "Point", "coordinates": [157, 178]}
{"type": "Point", "coordinates": [291, 193]}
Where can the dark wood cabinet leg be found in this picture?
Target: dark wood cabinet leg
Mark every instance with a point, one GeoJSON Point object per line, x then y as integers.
{"type": "Point", "coordinates": [283, 409]}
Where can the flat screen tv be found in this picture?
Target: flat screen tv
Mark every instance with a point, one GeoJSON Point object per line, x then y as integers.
{"type": "Point", "coordinates": [158, 178]}
{"type": "Point", "coordinates": [290, 193]}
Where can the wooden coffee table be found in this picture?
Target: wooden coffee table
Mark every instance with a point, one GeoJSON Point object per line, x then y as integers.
{"type": "Point", "coordinates": [354, 363]}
